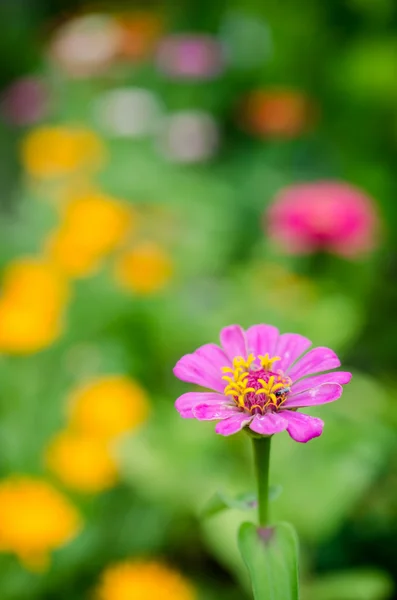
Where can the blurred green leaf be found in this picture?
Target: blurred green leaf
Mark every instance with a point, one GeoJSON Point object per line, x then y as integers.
{"type": "Point", "coordinates": [271, 556]}
{"type": "Point", "coordinates": [221, 501]}
{"type": "Point", "coordinates": [360, 584]}
{"type": "Point", "coordinates": [339, 467]}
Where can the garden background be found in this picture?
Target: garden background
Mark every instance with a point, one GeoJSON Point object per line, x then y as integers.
{"type": "Point", "coordinates": [144, 148]}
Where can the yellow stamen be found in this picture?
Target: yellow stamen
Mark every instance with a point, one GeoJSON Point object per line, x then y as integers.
{"type": "Point", "coordinates": [261, 391]}
{"type": "Point", "coordinates": [267, 362]}
{"type": "Point", "coordinates": [237, 381]}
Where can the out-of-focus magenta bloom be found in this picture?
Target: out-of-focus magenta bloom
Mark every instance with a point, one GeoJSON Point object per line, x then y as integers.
{"type": "Point", "coordinates": [324, 215]}
{"type": "Point", "coordinates": [25, 101]}
{"type": "Point", "coordinates": [250, 389]}
{"type": "Point", "coordinates": [190, 57]}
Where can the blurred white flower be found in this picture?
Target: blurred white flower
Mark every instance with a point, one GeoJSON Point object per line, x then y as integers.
{"type": "Point", "coordinates": [189, 136]}
{"type": "Point", "coordinates": [86, 45]}
{"type": "Point", "coordinates": [128, 112]}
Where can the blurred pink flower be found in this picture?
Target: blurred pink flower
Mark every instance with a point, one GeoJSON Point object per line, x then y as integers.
{"type": "Point", "coordinates": [325, 215]}
{"type": "Point", "coordinates": [251, 391]}
{"type": "Point", "coordinates": [190, 56]}
{"type": "Point", "coordinates": [25, 101]}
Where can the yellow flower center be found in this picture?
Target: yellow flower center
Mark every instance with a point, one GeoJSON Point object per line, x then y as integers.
{"type": "Point", "coordinates": [254, 385]}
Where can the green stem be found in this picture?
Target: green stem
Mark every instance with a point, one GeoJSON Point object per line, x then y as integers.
{"type": "Point", "coordinates": [262, 460]}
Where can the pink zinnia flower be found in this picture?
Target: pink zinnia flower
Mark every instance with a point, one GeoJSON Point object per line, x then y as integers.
{"type": "Point", "coordinates": [250, 390]}
{"type": "Point", "coordinates": [324, 215]}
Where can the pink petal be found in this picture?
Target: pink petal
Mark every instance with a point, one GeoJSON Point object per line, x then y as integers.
{"type": "Point", "coordinates": [318, 359]}
{"type": "Point", "coordinates": [302, 428]}
{"type": "Point", "coordinates": [341, 377]}
{"type": "Point", "coordinates": [195, 369]}
{"type": "Point", "coordinates": [214, 355]}
{"type": "Point", "coordinates": [208, 412]}
{"type": "Point", "coordinates": [268, 424]}
{"type": "Point", "coordinates": [233, 424]}
{"type": "Point", "coordinates": [328, 392]}
{"type": "Point", "coordinates": [187, 402]}
{"type": "Point", "coordinates": [233, 341]}
{"type": "Point", "coordinates": [290, 346]}
{"type": "Point", "coordinates": [262, 339]}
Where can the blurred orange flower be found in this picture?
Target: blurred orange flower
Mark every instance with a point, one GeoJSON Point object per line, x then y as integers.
{"type": "Point", "coordinates": [143, 580]}
{"type": "Point", "coordinates": [82, 462]}
{"type": "Point", "coordinates": [139, 33]}
{"type": "Point", "coordinates": [93, 225]}
{"type": "Point", "coordinates": [35, 519]}
{"type": "Point", "coordinates": [284, 113]}
{"type": "Point", "coordinates": [57, 151]}
{"type": "Point", "coordinates": [108, 407]}
{"type": "Point", "coordinates": [145, 269]}
{"type": "Point", "coordinates": [31, 306]}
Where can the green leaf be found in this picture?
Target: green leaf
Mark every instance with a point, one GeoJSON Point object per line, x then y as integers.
{"type": "Point", "coordinates": [247, 501]}
{"type": "Point", "coordinates": [274, 492]}
{"type": "Point", "coordinates": [357, 584]}
{"type": "Point", "coordinates": [271, 556]}
{"type": "Point", "coordinates": [221, 501]}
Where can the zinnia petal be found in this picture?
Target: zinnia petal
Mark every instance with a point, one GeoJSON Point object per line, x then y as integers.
{"type": "Point", "coordinates": [233, 341]}
{"type": "Point", "coordinates": [214, 355]}
{"type": "Point", "coordinates": [195, 369]}
{"type": "Point", "coordinates": [268, 424]}
{"type": "Point", "coordinates": [233, 424]}
{"type": "Point", "coordinates": [302, 428]}
{"type": "Point", "coordinates": [318, 359]}
{"type": "Point", "coordinates": [341, 377]}
{"type": "Point", "coordinates": [211, 412]}
{"type": "Point", "coordinates": [328, 392]}
{"type": "Point", "coordinates": [187, 402]}
{"type": "Point", "coordinates": [290, 347]}
{"type": "Point", "coordinates": [262, 339]}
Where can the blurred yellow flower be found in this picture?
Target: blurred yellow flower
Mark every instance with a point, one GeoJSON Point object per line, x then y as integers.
{"type": "Point", "coordinates": [35, 519]}
{"type": "Point", "coordinates": [145, 269]}
{"type": "Point", "coordinates": [93, 225]}
{"type": "Point", "coordinates": [58, 151]}
{"type": "Point", "coordinates": [108, 407]}
{"type": "Point", "coordinates": [144, 581]}
{"type": "Point", "coordinates": [82, 462]}
{"type": "Point", "coordinates": [31, 306]}
{"type": "Point", "coordinates": [35, 282]}
{"type": "Point", "coordinates": [23, 331]}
